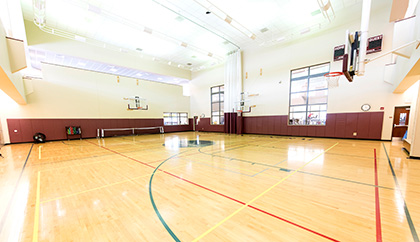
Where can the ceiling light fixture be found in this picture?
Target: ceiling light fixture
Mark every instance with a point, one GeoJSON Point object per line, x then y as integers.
{"type": "Point", "coordinates": [148, 30]}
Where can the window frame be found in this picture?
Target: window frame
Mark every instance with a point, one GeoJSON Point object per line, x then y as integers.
{"type": "Point", "coordinates": [307, 105]}
{"type": "Point", "coordinates": [177, 116]}
{"type": "Point", "coordinates": [221, 112]}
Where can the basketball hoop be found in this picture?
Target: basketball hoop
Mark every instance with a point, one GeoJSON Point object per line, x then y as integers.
{"type": "Point", "coordinates": [332, 78]}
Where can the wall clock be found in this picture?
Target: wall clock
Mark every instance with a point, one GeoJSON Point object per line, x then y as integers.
{"type": "Point", "coordinates": [365, 107]}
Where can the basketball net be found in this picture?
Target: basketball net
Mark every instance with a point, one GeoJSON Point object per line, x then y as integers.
{"type": "Point", "coordinates": [332, 79]}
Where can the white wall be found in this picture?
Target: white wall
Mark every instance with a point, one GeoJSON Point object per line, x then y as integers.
{"type": "Point", "coordinates": [71, 93]}
{"type": "Point", "coordinates": [15, 78]}
{"type": "Point", "coordinates": [200, 89]}
{"type": "Point", "coordinates": [412, 97]}
{"type": "Point", "coordinates": [277, 61]}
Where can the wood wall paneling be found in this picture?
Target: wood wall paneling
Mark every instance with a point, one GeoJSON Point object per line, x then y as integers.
{"type": "Point", "coordinates": [54, 129]}
{"type": "Point", "coordinates": [367, 125]}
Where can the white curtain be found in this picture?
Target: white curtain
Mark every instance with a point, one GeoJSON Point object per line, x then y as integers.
{"type": "Point", "coordinates": [233, 81]}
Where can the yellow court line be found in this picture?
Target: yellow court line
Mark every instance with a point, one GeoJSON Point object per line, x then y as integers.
{"type": "Point", "coordinates": [105, 186]}
{"type": "Point", "coordinates": [36, 217]}
{"type": "Point", "coordinates": [260, 195]}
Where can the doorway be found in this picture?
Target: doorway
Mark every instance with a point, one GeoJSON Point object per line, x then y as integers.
{"type": "Point", "coordinates": [400, 125]}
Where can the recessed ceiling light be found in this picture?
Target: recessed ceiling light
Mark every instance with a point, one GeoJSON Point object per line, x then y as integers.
{"type": "Point", "coordinates": [160, 79]}
{"type": "Point", "coordinates": [316, 12]}
{"type": "Point", "coordinates": [81, 64]}
{"type": "Point", "coordinates": [113, 69]}
{"type": "Point", "coordinates": [179, 18]}
{"type": "Point", "coordinates": [94, 9]}
{"type": "Point", "coordinates": [148, 30]}
{"type": "Point", "coordinates": [305, 30]}
{"type": "Point", "coordinates": [281, 39]}
{"type": "Point", "coordinates": [80, 38]}
{"type": "Point", "coordinates": [139, 74]}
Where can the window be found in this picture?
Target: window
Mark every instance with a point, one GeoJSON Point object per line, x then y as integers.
{"type": "Point", "coordinates": [308, 95]}
{"type": "Point", "coordinates": [217, 105]}
{"type": "Point", "coordinates": [175, 118]}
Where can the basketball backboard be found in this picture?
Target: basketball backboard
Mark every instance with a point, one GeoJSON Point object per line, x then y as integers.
{"type": "Point", "coordinates": [244, 105]}
{"type": "Point", "coordinates": [351, 55]}
{"type": "Point", "coordinates": [136, 103]}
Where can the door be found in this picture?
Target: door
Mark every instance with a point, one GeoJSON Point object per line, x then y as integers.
{"type": "Point", "coordinates": [401, 116]}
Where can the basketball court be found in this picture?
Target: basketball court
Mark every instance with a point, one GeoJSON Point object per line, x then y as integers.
{"type": "Point", "coordinates": [240, 133]}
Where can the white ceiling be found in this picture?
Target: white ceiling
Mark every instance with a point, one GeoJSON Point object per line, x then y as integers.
{"type": "Point", "coordinates": [178, 32]}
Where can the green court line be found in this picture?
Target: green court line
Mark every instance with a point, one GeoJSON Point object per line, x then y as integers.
{"type": "Point", "coordinates": [153, 201]}
{"type": "Point", "coordinates": [288, 170]}
{"type": "Point", "coordinates": [358, 156]}
{"type": "Point", "coordinates": [269, 168]}
{"type": "Point", "coordinates": [241, 146]}
{"type": "Point", "coordinates": [407, 213]}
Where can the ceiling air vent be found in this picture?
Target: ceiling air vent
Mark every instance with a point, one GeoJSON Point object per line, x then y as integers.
{"type": "Point", "coordinates": [264, 30]}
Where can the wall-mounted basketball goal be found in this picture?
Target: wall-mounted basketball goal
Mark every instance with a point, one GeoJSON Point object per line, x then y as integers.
{"type": "Point", "coordinates": [357, 46]}
{"type": "Point", "coordinates": [136, 103]}
{"type": "Point", "coordinates": [245, 105]}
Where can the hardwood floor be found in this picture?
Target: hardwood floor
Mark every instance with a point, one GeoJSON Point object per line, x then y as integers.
{"type": "Point", "coordinates": [240, 188]}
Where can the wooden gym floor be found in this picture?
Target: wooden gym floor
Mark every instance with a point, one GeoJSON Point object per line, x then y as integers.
{"type": "Point", "coordinates": [241, 188]}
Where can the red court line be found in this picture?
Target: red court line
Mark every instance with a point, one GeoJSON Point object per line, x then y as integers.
{"type": "Point", "coordinates": [377, 208]}
{"type": "Point", "coordinates": [178, 156]}
{"type": "Point", "coordinates": [290, 222]}
{"type": "Point", "coordinates": [218, 193]}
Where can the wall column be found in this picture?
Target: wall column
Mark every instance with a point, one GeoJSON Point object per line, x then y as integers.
{"type": "Point", "coordinates": [233, 89]}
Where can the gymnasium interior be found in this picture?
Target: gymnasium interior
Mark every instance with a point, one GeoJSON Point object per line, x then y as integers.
{"type": "Point", "coordinates": [209, 120]}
